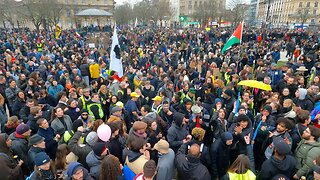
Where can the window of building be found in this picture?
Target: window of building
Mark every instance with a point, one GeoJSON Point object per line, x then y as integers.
{"type": "Point", "coordinates": [313, 21]}
{"type": "Point", "coordinates": [308, 4]}
{"type": "Point", "coordinates": [300, 4]}
{"type": "Point", "coordinates": [196, 3]}
{"type": "Point", "coordinates": [315, 11]}
{"type": "Point", "coordinates": [316, 4]}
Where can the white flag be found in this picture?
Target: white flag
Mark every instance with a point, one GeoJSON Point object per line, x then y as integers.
{"type": "Point", "coordinates": [136, 23]}
{"type": "Point", "coordinates": [115, 57]}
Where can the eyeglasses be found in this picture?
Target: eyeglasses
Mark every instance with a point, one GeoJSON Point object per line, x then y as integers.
{"type": "Point", "coordinates": [84, 114]}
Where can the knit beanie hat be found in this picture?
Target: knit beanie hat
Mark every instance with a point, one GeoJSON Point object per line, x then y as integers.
{"type": "Point", "coordinates": [99, 148]}
{"type": "Point", "coordinates": [41, 158]}
{"type": "Point", "coordinates": [268, 108]}
{"type": "Point", "coordinates": [22, 128]}
{"type": "Point", "coordinates": [92, 138]}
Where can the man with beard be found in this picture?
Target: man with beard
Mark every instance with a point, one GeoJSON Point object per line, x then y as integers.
{"type": "Point", "coordinates": [166, 113]}
{"type": "Point", "coordinates": [292, 86]}
{"type": "Point", "coordinates": [308, 149]}
{"type": "Point", "coordinates": [220, 156]}
{"type": "Point", "coordinates": [282, 128]}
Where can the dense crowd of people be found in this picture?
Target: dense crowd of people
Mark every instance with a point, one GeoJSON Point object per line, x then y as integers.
{"type": "Point", "coordinates": [177, 113]}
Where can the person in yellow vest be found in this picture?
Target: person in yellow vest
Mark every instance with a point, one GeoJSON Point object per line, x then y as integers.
{"type": "Point", "coordinates": [190, 95]}
{"type": "Point", "coordinates": [68, 134]}
{"type": "Point", "coordinates": [40, 46]}
{"type": "Point", "coordinates": [184, 91]}
{"type": "Point", "coordinates": [239, 170]}
{"type": "Point", "coordinates": [157, 104]}
{"type": "Point", "coordinates": [95, 107]}
{"type": "Point", "coordinates": [94, 69]}
{"type": "Point", "coordinates": [84, 99]}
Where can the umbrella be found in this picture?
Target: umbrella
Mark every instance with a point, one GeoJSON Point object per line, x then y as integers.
{"type": "Point", "coordinates": [255, 84]}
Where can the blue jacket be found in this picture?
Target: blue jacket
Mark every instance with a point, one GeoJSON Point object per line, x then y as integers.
{"type": "Point", "coordinates": [315, 111]}
{"type": "Point", "coordinates": [276, 56]}
{"type": "Point", "coordinates": [275, 75]}
{"type": "Point", "coordinates": [53, 91]}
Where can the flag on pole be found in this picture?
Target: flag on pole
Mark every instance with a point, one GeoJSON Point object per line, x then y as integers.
{"type": "Point", "coordinates": [115, 58]}
{"type": "Point", "coordinates": [58, 31]}
{"type": "Point", "coordinates": [236, 109]}
{"type": "Point", "coordinates": [234, 39]}
{"type": "Point", "coordinates": [136, 23]}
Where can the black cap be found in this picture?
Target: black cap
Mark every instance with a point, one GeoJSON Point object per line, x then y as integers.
{"type": "Point", "coordinates": [282, 147]}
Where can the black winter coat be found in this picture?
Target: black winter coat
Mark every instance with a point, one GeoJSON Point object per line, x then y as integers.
{"type": "Point", "coordinates": [220, 158]}
{"type": "Point", "coordinates": [51, 144]}
{"type": "Point", "coordinates": [273, 167]}
{"type": "Point", "coordinates": [190, 168]}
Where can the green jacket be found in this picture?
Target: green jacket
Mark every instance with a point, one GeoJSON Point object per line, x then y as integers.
{"type": "Point", "coordinates": [305, 154]}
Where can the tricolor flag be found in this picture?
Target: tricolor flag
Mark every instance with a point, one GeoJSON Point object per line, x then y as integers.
{"type": "Point", "coordinates": [115, 58]}
{"type": "Point", "coordinates": [58, 31]}
{"type": "Point", "coordinates": [234, 39]}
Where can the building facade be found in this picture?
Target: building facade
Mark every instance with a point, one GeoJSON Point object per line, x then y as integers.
{"type": "Point", "coordinates": [288, 13]}
{"type": "Point", "coordinates": [189, 7]}
{"type": "Point", "coordinates": [253, 12]}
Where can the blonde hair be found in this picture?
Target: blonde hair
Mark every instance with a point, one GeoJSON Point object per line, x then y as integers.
{"type": "Point", "coordinates": [220, 83]}
{"type": "Point", "coordinates": [198, 133]}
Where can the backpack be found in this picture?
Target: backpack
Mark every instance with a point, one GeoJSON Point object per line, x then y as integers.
{"type": "Point", "coordinates": [128, 174]}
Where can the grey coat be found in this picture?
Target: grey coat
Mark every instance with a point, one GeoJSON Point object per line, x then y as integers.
{"type": "Point", "coordinates": [176, 135]}
{"type": "Point", "coordinates": [58, 126]}
{"type": "Point", "coordinates": [11, 94]}
{"type": "Point", "coordinates": [94, 162]}
{"type": "Point", "coordinates": [166, 166]}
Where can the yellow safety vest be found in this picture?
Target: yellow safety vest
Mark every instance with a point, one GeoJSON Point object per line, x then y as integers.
{"type": "Point", "coordinates": [68, 135]}
{"type": "Point", "coordinates": [188, 97]}
{"type": "Point", "coordinates": [249, 175]}
{"type": "Point", "coordinates": [39, 47]}
{"type": "Point", "coordinates": [120, 91]}
{"type": "Point", "coordinates": [227, 78]}
{"type": "Point", "coordinates": [101, 114]}
{"type": "Point", "coordinates": [84, 103]}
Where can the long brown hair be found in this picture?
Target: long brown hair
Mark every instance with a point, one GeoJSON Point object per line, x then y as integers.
{"type": "Point", "coordinates": [110, 168]}
{"type": "Point", "coordinates": [61, 154]}
{"type": "Point", "coordinates": [240, 165]}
